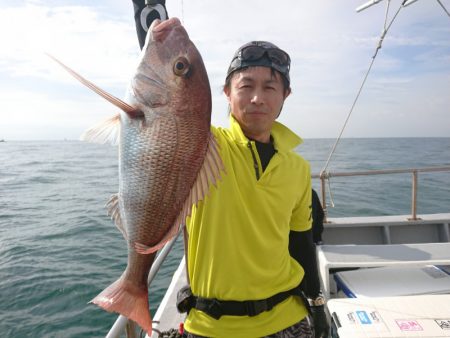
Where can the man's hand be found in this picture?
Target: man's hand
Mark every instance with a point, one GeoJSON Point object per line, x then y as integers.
{"type": "Point", "coordinates": [320, 321]}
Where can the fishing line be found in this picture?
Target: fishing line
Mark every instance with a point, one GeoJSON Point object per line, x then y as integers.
{"type": "Point", "coordinates": [182, 12]}
{"type": "Point", "coordinates": [324, 172]}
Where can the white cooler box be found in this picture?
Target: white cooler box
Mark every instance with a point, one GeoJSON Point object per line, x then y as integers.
{"type": "Point", "coordinates": [391, 317]}
{"type": "Point", "coordinates": [392, 281]}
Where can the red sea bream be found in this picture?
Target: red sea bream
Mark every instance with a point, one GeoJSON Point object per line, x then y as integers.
{"type": "Point", "coordinates": [167, 157]}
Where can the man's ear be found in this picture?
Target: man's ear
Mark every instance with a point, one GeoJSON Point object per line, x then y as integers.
{"type": "Point", "coordinates": [226, 91]}
{"type": "Point", "coordinates": [287, 93]}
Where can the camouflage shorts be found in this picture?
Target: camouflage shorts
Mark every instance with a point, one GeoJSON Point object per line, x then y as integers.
{"type": "Point", "coordinates": [302, 329]}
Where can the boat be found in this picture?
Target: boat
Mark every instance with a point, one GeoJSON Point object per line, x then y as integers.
{"type": "Point", "coordinates": [349, 243]}
{"type": "Point", "coordinates": [379, 249]}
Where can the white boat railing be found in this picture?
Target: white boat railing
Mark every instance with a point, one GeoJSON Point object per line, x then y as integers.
{"type": "Point", "coordinates": [324, 176]}
{"type": "Point", "coordinates": [121, 322]}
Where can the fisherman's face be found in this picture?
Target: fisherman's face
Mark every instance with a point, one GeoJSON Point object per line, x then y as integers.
{"type": "Point", "coordinates": [256, 96]}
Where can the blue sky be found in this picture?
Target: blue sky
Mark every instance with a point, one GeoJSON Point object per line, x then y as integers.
{"type": "Point", "coordinates": [407, 93]}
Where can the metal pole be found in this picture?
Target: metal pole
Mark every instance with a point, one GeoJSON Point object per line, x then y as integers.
{"type": "Point", "coordinates": [367, 5]}
{"type": "Point", "coordinates": [118, 327]}
{"type": "Point", "coordinates": [381, 172]}
{"type": "Point", "coordinates": [324, 198]}
{"type": "Point", "coordinates": [414, 196]}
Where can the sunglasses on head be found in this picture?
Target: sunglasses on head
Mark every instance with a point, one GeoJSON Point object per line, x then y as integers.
{"type": "Point", "coordinates": [253, 53]}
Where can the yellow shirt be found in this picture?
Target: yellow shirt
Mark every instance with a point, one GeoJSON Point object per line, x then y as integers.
{"type": "Point", "coordinates": [239, 235]}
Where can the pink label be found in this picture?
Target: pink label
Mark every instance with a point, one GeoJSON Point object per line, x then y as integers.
{"type": "Point", "coordinates": [408, 325]}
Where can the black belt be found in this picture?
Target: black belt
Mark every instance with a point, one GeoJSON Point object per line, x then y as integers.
{"type": "Point", "coordinates": [217, 308]}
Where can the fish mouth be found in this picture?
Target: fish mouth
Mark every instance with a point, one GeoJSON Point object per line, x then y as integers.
{"type": "Point", "coordinates": [160, 29]}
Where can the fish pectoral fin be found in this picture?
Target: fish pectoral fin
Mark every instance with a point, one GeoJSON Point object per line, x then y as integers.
{"type": "Point", "coordinates": [114, 211]}
{"type": "Point", "coordinates": [130, 110]}
{"type": "Point", "coordinates": [107, 131]}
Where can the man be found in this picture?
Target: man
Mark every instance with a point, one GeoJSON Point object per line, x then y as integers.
{"type": "Point", "coordinates": [250, 250]}
{"type": "Point", "coordinates": [247, 238]}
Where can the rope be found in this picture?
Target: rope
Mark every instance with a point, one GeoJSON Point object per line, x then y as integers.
{"type": "Point", "coordinates": [445, 9]}
{"type": "Point", "coordinates": [386, 14]}
{"type": "Point", "coordinates": [379, 45]}
{"type": "Point", "coordinates": [172, 333]}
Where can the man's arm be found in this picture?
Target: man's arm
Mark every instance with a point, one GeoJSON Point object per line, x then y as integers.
{"type": "Point", "coordinates": [303, 250]}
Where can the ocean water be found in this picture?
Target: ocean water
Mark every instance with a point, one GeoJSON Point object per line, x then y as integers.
{"type": "Point", "coordinates": [59, 249]}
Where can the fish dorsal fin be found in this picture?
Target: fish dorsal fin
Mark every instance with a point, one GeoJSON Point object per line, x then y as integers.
{"type": "Point", "coordinates": [107, 131]}
{"type": "Point", "coordinates": [209, 174]}
{"type": "Point", "coordinates": [114, 212]}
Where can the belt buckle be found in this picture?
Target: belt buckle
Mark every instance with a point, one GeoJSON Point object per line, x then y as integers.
{"type": "Point", "coordinates": [255, 307]}
{"type": "Point", "coordinates": [214, 309]}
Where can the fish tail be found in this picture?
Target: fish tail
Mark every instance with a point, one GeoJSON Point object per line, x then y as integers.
{"type": "Point", "coordinates": [127, 299]}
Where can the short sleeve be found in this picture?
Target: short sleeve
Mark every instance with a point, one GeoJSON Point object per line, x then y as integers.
{"type": "Point", "coordinates": [301, 219]}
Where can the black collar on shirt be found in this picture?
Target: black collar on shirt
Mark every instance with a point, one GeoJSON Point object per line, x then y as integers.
{"type": "Point", "coordinates": [265, 152]}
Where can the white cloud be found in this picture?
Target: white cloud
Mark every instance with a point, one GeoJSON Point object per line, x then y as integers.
{"type": "Point", "coordinates": [330, 45]}
{"type": "Point", "coordinates": [75, 34]}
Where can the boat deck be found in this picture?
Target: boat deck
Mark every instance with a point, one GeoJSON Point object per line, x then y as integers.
{"type": "Point", "coordinates": [399, 255]}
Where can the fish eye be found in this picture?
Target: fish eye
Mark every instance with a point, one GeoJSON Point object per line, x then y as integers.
{"type": "Point", "coordinates": [181, 66]}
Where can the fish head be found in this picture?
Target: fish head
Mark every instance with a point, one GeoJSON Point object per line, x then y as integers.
{"type": "Point", "coordinates": [171, 77]}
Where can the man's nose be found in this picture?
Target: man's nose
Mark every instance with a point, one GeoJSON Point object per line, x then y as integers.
{"type": "Point", "coordinates": [257, 97]}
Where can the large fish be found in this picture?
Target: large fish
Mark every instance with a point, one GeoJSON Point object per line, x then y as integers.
{"type": "Point", "coordinates": [167, 157]}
